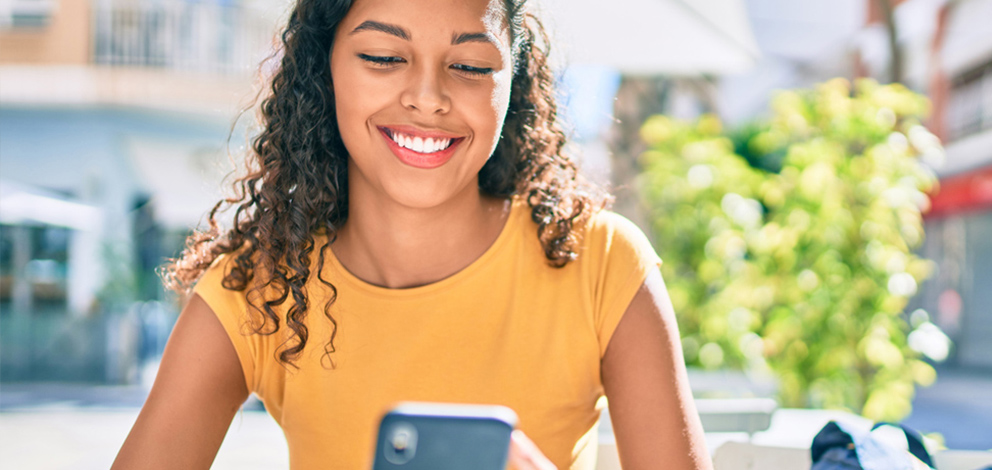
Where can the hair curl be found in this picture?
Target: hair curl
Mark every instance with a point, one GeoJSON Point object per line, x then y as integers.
{"type": "Point", "coordinates": [296, 182]}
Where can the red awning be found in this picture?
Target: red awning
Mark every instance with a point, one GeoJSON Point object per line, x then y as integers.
{"type": "Point", "coordinates": [964, 192]}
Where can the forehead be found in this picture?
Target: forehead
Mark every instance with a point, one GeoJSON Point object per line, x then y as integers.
{"type": "Point", "coordinates": [432, 19]}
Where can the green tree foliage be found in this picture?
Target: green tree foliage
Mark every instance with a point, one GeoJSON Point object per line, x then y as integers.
{"type": "Point", "coordinates": [788, 246]}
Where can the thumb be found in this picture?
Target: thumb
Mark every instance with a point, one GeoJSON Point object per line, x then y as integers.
{"type": "Point", "coordinates": [524, 454]}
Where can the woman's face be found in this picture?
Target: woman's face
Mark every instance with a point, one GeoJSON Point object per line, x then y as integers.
{"type": "Point", "coordinates": [421, 90]}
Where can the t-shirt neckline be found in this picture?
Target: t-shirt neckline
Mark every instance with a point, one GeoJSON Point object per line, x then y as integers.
{"type": "Point", "coordinates": [509, 228]}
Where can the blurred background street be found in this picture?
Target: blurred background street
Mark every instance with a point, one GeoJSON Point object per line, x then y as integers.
{"type": "Point", "coordinates": [857, 279]}
{"type": "Point", "coordinates": [88, 423]}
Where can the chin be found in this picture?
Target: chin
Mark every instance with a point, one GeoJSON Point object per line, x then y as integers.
{"type": "Point", "coordinates": [421, 194]}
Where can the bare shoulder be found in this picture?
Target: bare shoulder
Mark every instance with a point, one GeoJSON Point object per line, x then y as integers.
{"type": "Point", "coordinates": [654, 417]}
{"type": "Point", "coordinates": [198, 390]}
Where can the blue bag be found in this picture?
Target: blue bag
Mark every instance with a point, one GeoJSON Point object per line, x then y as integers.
{"type": "Point", "coordinates": [841, 447]}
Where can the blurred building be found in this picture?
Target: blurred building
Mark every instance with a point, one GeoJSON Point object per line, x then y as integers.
{"type": "Point", "coordinates": [941, 48]}
{"type": "Point", "coordinates": [114, 125]}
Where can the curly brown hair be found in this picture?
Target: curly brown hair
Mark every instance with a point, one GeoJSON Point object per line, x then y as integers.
{"type": "Point", "coordinates": [296, 182]}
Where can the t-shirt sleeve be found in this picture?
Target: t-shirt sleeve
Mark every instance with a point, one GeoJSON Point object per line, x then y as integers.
{"type": "Point", "coordinates": [231, 308]}
{"type": "Point", "coordinates": [620, 259]}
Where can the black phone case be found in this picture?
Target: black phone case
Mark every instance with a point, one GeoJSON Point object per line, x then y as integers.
{"type": "Point", "coordinates": [444, 437]}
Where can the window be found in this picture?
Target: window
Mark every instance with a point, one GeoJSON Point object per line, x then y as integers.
{"type": "Point", "coordinates": [970, 107]}
{"type": "Point", "coordinates": [26, 13]}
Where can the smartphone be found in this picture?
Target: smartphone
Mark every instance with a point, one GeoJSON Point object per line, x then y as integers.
{"type": "Point", "coordinates": [441, 436]}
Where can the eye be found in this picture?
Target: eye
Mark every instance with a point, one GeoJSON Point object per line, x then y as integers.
{"type": "Point", "coordinates": [472, 71]}
{"type": "Point", "coordinates": [381, 61]}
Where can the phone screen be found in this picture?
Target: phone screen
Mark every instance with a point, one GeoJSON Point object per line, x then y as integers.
{"type": "Point", "coordinates": [439, 436]}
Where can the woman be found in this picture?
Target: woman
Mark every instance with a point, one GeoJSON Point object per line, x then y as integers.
{"type": "Point", "coordinates": [409, 229]}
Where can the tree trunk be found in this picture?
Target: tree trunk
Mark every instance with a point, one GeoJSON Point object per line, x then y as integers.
{"type": "Point", "coordinates": [895, 53]}
{"type": "Point", "coordinates": [637, 99]}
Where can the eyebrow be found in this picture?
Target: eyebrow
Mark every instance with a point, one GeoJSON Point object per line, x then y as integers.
{"type": "Point", "coordinates": [401, 33]}
{"type": "Point", "coordinates": [462, 38]}
{"type": "Point", "coordinates": [382, 27]}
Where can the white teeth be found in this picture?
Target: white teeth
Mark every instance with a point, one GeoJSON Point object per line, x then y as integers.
{"type": "Point", "coordinates": [419, 144]}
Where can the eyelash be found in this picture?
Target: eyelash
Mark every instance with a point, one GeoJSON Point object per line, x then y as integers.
{"type": "Point", "coordinates": [479, 71]}
{"type": "Point", "coordinates": [386, 61]}
{"type": "Point", "coordinates": [382, 61]}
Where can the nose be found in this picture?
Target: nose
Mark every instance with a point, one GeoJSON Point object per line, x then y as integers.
{"type": "Point", "coordinates": [426, 92]}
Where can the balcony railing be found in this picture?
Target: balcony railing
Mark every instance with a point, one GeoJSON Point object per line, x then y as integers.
{"type": "Point", "coordinates": [179, 35]}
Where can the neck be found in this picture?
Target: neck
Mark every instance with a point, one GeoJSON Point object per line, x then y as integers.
{"type": "Point", "coordinates": [390, 245]}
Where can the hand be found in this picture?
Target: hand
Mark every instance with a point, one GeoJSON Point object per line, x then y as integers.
{"type": "Point", "coordinates": [524, 454]}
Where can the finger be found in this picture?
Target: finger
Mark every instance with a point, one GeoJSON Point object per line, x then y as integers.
{"type": "Point", "coordinates": [524, 454]}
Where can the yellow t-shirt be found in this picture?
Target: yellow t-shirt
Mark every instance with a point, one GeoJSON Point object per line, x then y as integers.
{"type": "Point", "coordinates": [508, 329]}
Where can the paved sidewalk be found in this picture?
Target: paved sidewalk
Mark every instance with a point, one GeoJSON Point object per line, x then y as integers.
{"type": "Point", "coordinates": [959, 406]}
{"type": "Point", "coordinates": [53, 426]}
{"type": "Point", "coordinates": [89, 438]}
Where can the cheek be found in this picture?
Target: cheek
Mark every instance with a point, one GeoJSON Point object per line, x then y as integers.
{"type": "Point", "coordinates": [353, 105]}
{"type": "Point", "coordinates": [499, 101]}
{"type": "Point", "coordinates": [501, 91]}
{"type": "Point", "coordinates": [343, 103]}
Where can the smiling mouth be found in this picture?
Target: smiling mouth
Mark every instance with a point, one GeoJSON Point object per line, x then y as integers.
{"type": "Point", "coordinates": [420, 149]}
{"type": "Point", "coordinates": [424, 145]}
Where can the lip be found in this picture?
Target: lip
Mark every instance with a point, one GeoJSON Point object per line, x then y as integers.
{"type": "Point", "coordinates": [416, 159]}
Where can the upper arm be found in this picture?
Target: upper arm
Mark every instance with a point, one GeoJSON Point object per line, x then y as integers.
{"type": "Point", "coordinates": [198, 390]}
{"type": "Point", "coordinates": [654, 418]}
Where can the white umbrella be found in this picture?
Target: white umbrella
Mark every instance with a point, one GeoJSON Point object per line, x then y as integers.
{"type": "Point", "coordinates": [183, 177]}
{"type": "Point", "coordinates": [656, 37]}
{"type": "Point", "coordinates": [25, 204]}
